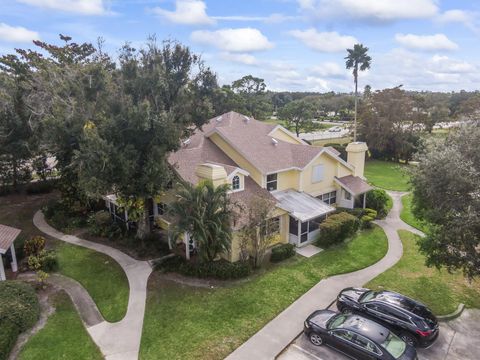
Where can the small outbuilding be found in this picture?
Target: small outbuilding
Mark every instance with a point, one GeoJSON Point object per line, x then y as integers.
{"type": "Point", "coordinates": [8, 235]}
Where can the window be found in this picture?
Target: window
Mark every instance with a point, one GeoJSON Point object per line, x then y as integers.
{"type": "Point", "coordinates": [161, 208]}
{"type": "Point", "coordinates": [236, 183]}
{"type": "Point", "coordinates": [317, 173]}
{"type": "Point", "coordinates": [274, 226]}
{"type": "Point", "coordinates": [347, 195]}
{"type": "Point", "coordinates": [293, 226]}
{"type": "Point", "coordinates": [366, 344]}
{"type": "Point", "coordinates": [343, 334]}
{"type": "Point", "coordinates": [329, 198]}
{"type": "Point", "coordinates": [272, 182]}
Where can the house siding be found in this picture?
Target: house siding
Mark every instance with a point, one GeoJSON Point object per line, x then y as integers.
{"type": "Point", "coordinates": [282, 135]}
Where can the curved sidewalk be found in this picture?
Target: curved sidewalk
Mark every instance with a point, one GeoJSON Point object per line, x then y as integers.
{"type": "Point", "coordinates": [267, 343]}
{"type": "Point", "coordinates": [120, 340]}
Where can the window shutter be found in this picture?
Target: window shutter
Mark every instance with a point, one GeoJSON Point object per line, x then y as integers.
{"type": "Point", "coordinates": [317, 173]}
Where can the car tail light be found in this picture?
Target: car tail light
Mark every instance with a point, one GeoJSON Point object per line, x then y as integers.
{"type": "Point", "coordinates": [424, 333]}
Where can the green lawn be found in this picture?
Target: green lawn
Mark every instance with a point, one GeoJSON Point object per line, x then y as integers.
{"type": "Point", "coordinates": [439, 290]}
{"type": "Point", "coordinates": [387, 175]}
{"type": "Point", "coordinates": [102, 276]}
{"type": "Point", "coordinates": [63, 337]}
{"type": "Point", "coordinates": [191, 323]}
{"type": "Point", "coordinates": [407, 215]}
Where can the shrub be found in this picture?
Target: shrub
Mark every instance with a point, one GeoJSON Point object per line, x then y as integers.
{"type": "Point", "coordinates": [8, 336]}
{"type": "Point", "coordinates": [19, 310]}
{"type": "Point", "coordinates": [282, 252]}
{"type": "Point", "coordinates": [34, 245]}
{"type": "Point", "coordinates": [337, 228]}
{"type": "Point", "coordinates": [40, 187]}
{"type": "Point", "coordinates": [377, 199]}
{"type": "Point", "coordinates": [49, 261]}
{"type": "Point", "coordinates": [220, 269]}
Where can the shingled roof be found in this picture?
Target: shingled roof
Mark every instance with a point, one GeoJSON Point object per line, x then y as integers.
{"type": "Point", "coordinates": [7, 235]}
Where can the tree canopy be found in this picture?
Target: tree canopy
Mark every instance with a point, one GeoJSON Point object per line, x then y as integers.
{"type": "Point", "coordinates": [447, 194]}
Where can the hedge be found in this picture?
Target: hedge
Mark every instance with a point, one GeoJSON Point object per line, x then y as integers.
{"type": "Point", "coordinates": [377, 199]}
{"type": "Point", "coordinates": [19, 310]}
{"type": "Point", "coordinates": [220, 269]}
{"type": "Point", "coordinates": [282, 252]}
{"type": "Point", "coordinates": [337, 228]}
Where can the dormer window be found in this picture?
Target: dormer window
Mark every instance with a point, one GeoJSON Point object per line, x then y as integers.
{"type": "Point", "coordinates": [236, 183]}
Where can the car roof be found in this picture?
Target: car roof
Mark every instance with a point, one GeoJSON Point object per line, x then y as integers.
{"type": "Point", "coordinates": [400, 301]}
{"type": "Point", "coordinates": [366, 327]}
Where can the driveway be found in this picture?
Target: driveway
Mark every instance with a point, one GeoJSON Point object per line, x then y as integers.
{"type": "Point", "coordinates": [459, 340]}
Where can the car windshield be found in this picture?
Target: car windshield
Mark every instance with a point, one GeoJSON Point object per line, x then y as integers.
{"type": "Point", "coordinates": [369, 295]}
{"type": "Point", "coordinates": [336, 321]}
{"type": "Point", "coordinates": [394, 345]}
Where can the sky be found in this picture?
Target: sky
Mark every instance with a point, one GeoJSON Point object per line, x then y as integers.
{"type": "Point", "coordinates": [295, 45]}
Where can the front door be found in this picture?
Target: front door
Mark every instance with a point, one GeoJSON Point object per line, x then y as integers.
{"type": "Point", "coordinates": [293, 231]}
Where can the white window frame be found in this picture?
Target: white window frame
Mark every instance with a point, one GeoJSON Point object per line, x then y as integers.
{"type": "Point", "coordinates": [239, 184]}
{"type": "Point", "coordinates": [272, 181]}
{"type": "Point", "coordinates": [318, 174]}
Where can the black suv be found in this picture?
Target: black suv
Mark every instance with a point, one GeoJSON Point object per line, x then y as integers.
{"type": "Point", "coordinates": [410, 319]}
{"type": "Point", "coordinates": [356, 337]}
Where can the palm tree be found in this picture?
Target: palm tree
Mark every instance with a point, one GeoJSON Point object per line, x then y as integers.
{"type": "Point", "coordinates": [204, 212]}
{"type": "Point", "coordinates": [357, 59]}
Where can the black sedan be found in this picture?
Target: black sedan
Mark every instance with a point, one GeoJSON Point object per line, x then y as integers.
{"type": "Point", "coordinates": [409, 319]}
{"type": "Point", "coordinates": [356, 337]}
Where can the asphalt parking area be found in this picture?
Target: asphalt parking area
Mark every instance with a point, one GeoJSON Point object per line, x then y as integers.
{"type": "Point", "coordinates": [459, 339]}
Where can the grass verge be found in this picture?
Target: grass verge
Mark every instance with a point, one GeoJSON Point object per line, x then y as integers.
{"type": "Point", "coordinates": [407, 216]}
{"type": "Point", "coordinates": [438, 289]}
{"type": "Point", "coordinates": [63, 337]}
{"type": "Point", "coordinates": [387, 175]}
{"type": "Point", "coordinates": [191, 323]}
{"type": "Point", "coordinates": [102, 276]}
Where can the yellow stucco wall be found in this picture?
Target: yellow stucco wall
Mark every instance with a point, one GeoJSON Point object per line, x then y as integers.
{"type": "Point", "coordinates": [234, 254]}
{"type": "Point", "coordinates": [284, 136]}
{"type": "Point", "coordinates": [238, 158]}
{"type": "Point", "coordinates": [288, 180]}
{"type": "Point", "coordinates": [331, 169]}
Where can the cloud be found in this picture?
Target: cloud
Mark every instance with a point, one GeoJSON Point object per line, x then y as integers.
{"type": "Point", "coordinates": [330, 70]}
{"type": "Point", "coordinates": [85, 7]}
{"type": "Point", "coordinates": [270, 19]}
{"type": "Point", "coordinates": [240, 40]}
{"type": "Point", "coordinates": [370, 10]}
{"type": "Point", "coordinates": [246, 59]}
{"type": "Point", "coordinates": [469, 19]}
{"type": "Point", "coordinates": [188, 12]}
{"type": "Point", "coordinates": [17, 33]}
{"type": "Point", "coordinates": [324, 41]}
{"type": "Point", "coordinates": [426, 42]}
{"type": "Point", "coordinates": [445, 65]}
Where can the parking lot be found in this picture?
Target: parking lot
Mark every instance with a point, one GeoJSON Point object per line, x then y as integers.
{"type": "Point", "coordinates": [459, 340]}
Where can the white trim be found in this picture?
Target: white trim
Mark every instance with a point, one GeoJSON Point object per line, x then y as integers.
{"type": "Point", "coordinates": [238, 171]}
{"type": "Point", "coordinates": [14, 259]}
{"type": "Point", "coordinates": [288, 132]}
{"type": "Point", "coordinates": [2, 270]}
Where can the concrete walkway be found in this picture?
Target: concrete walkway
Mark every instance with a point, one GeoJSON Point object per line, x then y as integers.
{"type": "Point", "coordinates": [267, 343]}
{"type": "Point", "coordinates": [120, 340]}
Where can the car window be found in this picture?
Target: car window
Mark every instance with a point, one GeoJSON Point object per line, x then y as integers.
{"type": "Point", "coordinates": [343, 334]}
{"type": "Point", "coordinates": [366, 344]}
{"type": "Point", "coordinates": [394, 345]}
{"type": "Point", "coordinates": [369, 295]}
{"type": "Point", "coordinates": [336, 321]}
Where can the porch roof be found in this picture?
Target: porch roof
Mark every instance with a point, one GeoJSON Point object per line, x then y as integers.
{"type": "Point", "coordinates": [300, 205]}
{"type": "Point", "coordinates": [7, 236]}
{"type": "Point", "coordinates": [353, 184]}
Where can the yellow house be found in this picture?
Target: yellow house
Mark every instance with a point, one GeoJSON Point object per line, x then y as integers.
{"type": "Point", "coordinates": [260, 159]}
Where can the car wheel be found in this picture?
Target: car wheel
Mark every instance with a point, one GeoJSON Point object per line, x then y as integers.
{"type": "Point", "coordinates": [316, 339]}
{"type": "Point", "coordinates": [409, 339]}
